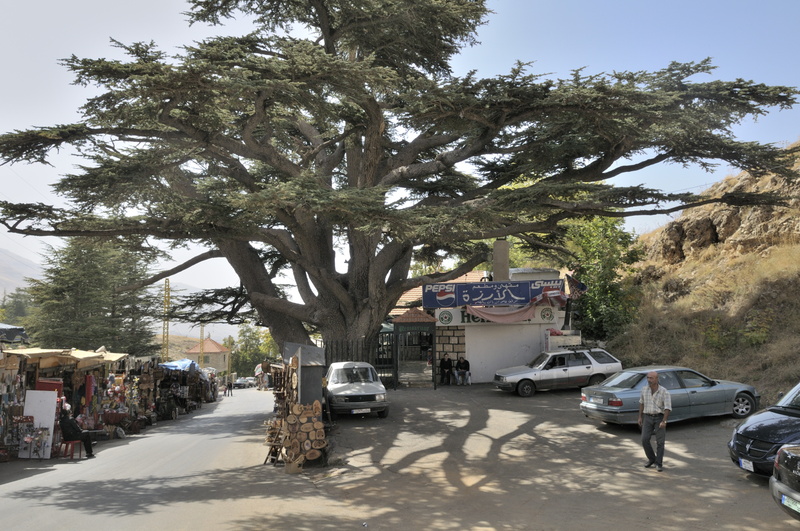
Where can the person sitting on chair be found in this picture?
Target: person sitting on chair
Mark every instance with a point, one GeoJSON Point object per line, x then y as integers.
{"type": "Point", "coordinates": [446, 369]}
{"type": "Point", "coordinates": [71, 431]}
{"type": "Point", "coordinates": [462, 371]}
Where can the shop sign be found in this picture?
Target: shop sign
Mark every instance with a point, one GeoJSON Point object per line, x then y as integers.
{"type": "Point", "coordinates": [460, 317]}
{"type": "Point", "coordinates": [500, 293]}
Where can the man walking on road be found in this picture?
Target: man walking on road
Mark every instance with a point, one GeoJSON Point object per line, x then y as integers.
{"type": "Point", "coordinates": [655, 405]}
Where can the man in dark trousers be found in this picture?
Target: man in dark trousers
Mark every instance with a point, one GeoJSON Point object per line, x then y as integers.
{"type": "Point", "coordinates": [71, 431]}
{"type": "Point", "coordinates": [655, 405]}
{"type": "Point", "coordinates": [446, 369]}
{"type": "Point", "coordinates": [462, 371]}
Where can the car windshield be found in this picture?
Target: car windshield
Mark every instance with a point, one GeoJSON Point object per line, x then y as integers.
{"type": "Point", "coordinates": [791, 399]}
{"type": "Point", "coordinates": [538, 361]}
{"type": "Point", "coordinates": [354, 375]}
{"type": "Point", "coordinates": [624, 379]}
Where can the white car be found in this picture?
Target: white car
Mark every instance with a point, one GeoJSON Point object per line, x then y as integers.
{"type": "Point", "coordinates": [354, 388]}
{"type": "Point", "coordinates": [571, 367]}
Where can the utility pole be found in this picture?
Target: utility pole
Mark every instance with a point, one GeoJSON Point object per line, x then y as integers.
{"type": "Point", "coordinates": [202, 344]}
{"type": "Point", "coordinates": [165, 324]}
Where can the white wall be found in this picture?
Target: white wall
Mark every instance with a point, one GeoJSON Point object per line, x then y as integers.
{"type": "Point", "coordinates": [495, 346]}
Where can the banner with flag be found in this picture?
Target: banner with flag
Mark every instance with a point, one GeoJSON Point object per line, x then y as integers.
{"type": "Point", "coordinates": [553, 296]}
{"type": "Point", "coordinates": [576, 287]}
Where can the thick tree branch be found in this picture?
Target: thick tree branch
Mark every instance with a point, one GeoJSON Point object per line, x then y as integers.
{"type": "Point", "coordinates": [172, 271]}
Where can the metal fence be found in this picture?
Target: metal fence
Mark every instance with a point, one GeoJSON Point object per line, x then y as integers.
{"type": "Point", "coordinates": [379, 353]}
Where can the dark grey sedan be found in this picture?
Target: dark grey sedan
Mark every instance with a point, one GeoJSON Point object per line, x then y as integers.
{"type": "Point", "coordinates": [616, 400]}
{"type": "Point", "coordinates": [785, 481]}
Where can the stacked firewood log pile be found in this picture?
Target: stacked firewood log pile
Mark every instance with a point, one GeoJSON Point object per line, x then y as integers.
{"type": "Point", "coordinates": [296, 434]}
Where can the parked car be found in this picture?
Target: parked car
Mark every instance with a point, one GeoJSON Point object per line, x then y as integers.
{"type": "Point", "coordinates": [240, 383]}
{"type": "Point", "coordinates": [616, 400]}
{"type": "Point", "coordinates": [251, 381]}
{"type": "Point", "coordinates": [756, 441]}
{"type": "Point", "coordinates": [785, 481]}
{"type": "Point", "coordinates": [353, 387]}
{"type": "Point", "coordinates": [573, 367]}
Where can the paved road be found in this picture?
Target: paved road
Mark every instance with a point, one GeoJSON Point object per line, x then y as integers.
{"type": "Point", "coordinates": [477, 458]}
{"type": "Point", "coordinates": [201, 471]}
{"type": "Point", "coordinates": [455, 458]}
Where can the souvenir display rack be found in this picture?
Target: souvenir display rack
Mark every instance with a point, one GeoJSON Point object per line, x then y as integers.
{"type": "Point", "coordinates": [12, 396]}
{"type": "Point", "coordinates": [296, 435]}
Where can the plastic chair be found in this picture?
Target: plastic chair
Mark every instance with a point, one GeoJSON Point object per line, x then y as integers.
{"type": "Point", "coordinates": [68, 447]}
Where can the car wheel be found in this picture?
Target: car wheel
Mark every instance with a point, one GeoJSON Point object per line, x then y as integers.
{"type": "Point", "coordinates": [596, 379]}
{"type": "Point", "coordinates": [526, 388]}
{"type": "Point", "coordinates": [383, 413]}
{"type": "Point", "coordinates": [743, 405]}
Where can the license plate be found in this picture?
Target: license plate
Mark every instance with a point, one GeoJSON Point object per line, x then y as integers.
{"type": "Point", "coordinates": [595, 400]}
{"type": "Point", "coordinates": [791, 503]}
{"type": "Point", "coordinates": [357, 411]}
{"type": "Point", "coordinates": [746, 464]}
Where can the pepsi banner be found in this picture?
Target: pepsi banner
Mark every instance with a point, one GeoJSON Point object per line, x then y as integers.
{"type": "Point", "coordinates": [498, 293]}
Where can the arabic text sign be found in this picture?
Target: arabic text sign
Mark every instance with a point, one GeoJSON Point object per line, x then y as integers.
{"type": "Point", "coordinates": [499, 293]}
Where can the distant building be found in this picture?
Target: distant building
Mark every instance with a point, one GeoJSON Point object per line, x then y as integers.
{"type": "Point", "coordinates": [213, 354]}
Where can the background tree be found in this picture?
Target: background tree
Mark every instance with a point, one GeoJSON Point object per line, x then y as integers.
{"type": "Point", "coordinates": [254, 345]}
{"type": "Point", "coordinates": [279, 151]}
{"type": "Point", "coordinates": [77, 305]}
{"type": "Point", "coordinates": [15, 306]}
{"type": "Point", "coordinates": [602, 249]}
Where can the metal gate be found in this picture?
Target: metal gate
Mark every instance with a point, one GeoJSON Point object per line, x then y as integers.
{"type": "Point", "coordinates": [380, 353]}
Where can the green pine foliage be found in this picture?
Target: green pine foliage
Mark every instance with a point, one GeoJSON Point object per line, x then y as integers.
{"type": "Point", "coordinates": [337, 128]}
{"type": "Point", "coordinates": [15, 307]}
{"type": "Point", "coordinates": [79, 304]}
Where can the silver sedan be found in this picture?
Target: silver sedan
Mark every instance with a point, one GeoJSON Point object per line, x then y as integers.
{"type": "Point", "coordinates": [616, 400]}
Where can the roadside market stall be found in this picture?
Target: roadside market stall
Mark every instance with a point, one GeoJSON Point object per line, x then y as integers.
{"type": "Point", "coordinates": [12, 400]}
{"type": "Point", "coordinates": [213, 389]}
{"type": "Point", "coordinates": [181, 386]}
{"type": "Point", "coordinates": [12, 335]}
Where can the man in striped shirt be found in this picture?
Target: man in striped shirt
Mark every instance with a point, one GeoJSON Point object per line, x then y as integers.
{"type": "Point", "coordinates": [655, 405]}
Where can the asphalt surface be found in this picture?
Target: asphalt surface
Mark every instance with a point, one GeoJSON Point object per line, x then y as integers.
{"type": "Point", "coordinates": [477, 458]}
{"type": "Point", "coordinates": [452, 458]}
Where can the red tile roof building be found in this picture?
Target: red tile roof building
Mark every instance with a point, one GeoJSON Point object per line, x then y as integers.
{"type": "Point", "coordinates": [214, 354]}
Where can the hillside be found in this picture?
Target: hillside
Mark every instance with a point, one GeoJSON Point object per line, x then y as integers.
{"type": "Point", "coordinates": [14, 269]}
{"type": "Point", "coordinates": [178, 345]}
{"type": "Point", "coordinates": [720, 288]}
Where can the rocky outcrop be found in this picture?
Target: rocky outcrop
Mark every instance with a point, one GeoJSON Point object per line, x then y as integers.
{"type": "Point", "coordinates": [731, 228]}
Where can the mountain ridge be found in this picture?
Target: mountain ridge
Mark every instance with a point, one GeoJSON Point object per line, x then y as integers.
{"type": "Point", "coordinates": [15, 269]}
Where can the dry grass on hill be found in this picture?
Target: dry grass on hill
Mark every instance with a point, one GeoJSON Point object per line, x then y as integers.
{"type": "Point", "coordinates": [734, 317]}
{"type": "Point", "coordinates": [721, 288]}
{"type": "Point", "coordinates": [178, 345]}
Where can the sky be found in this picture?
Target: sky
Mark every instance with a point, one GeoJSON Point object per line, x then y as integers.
{"type": "Point", "coordinates": [745, 39]}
